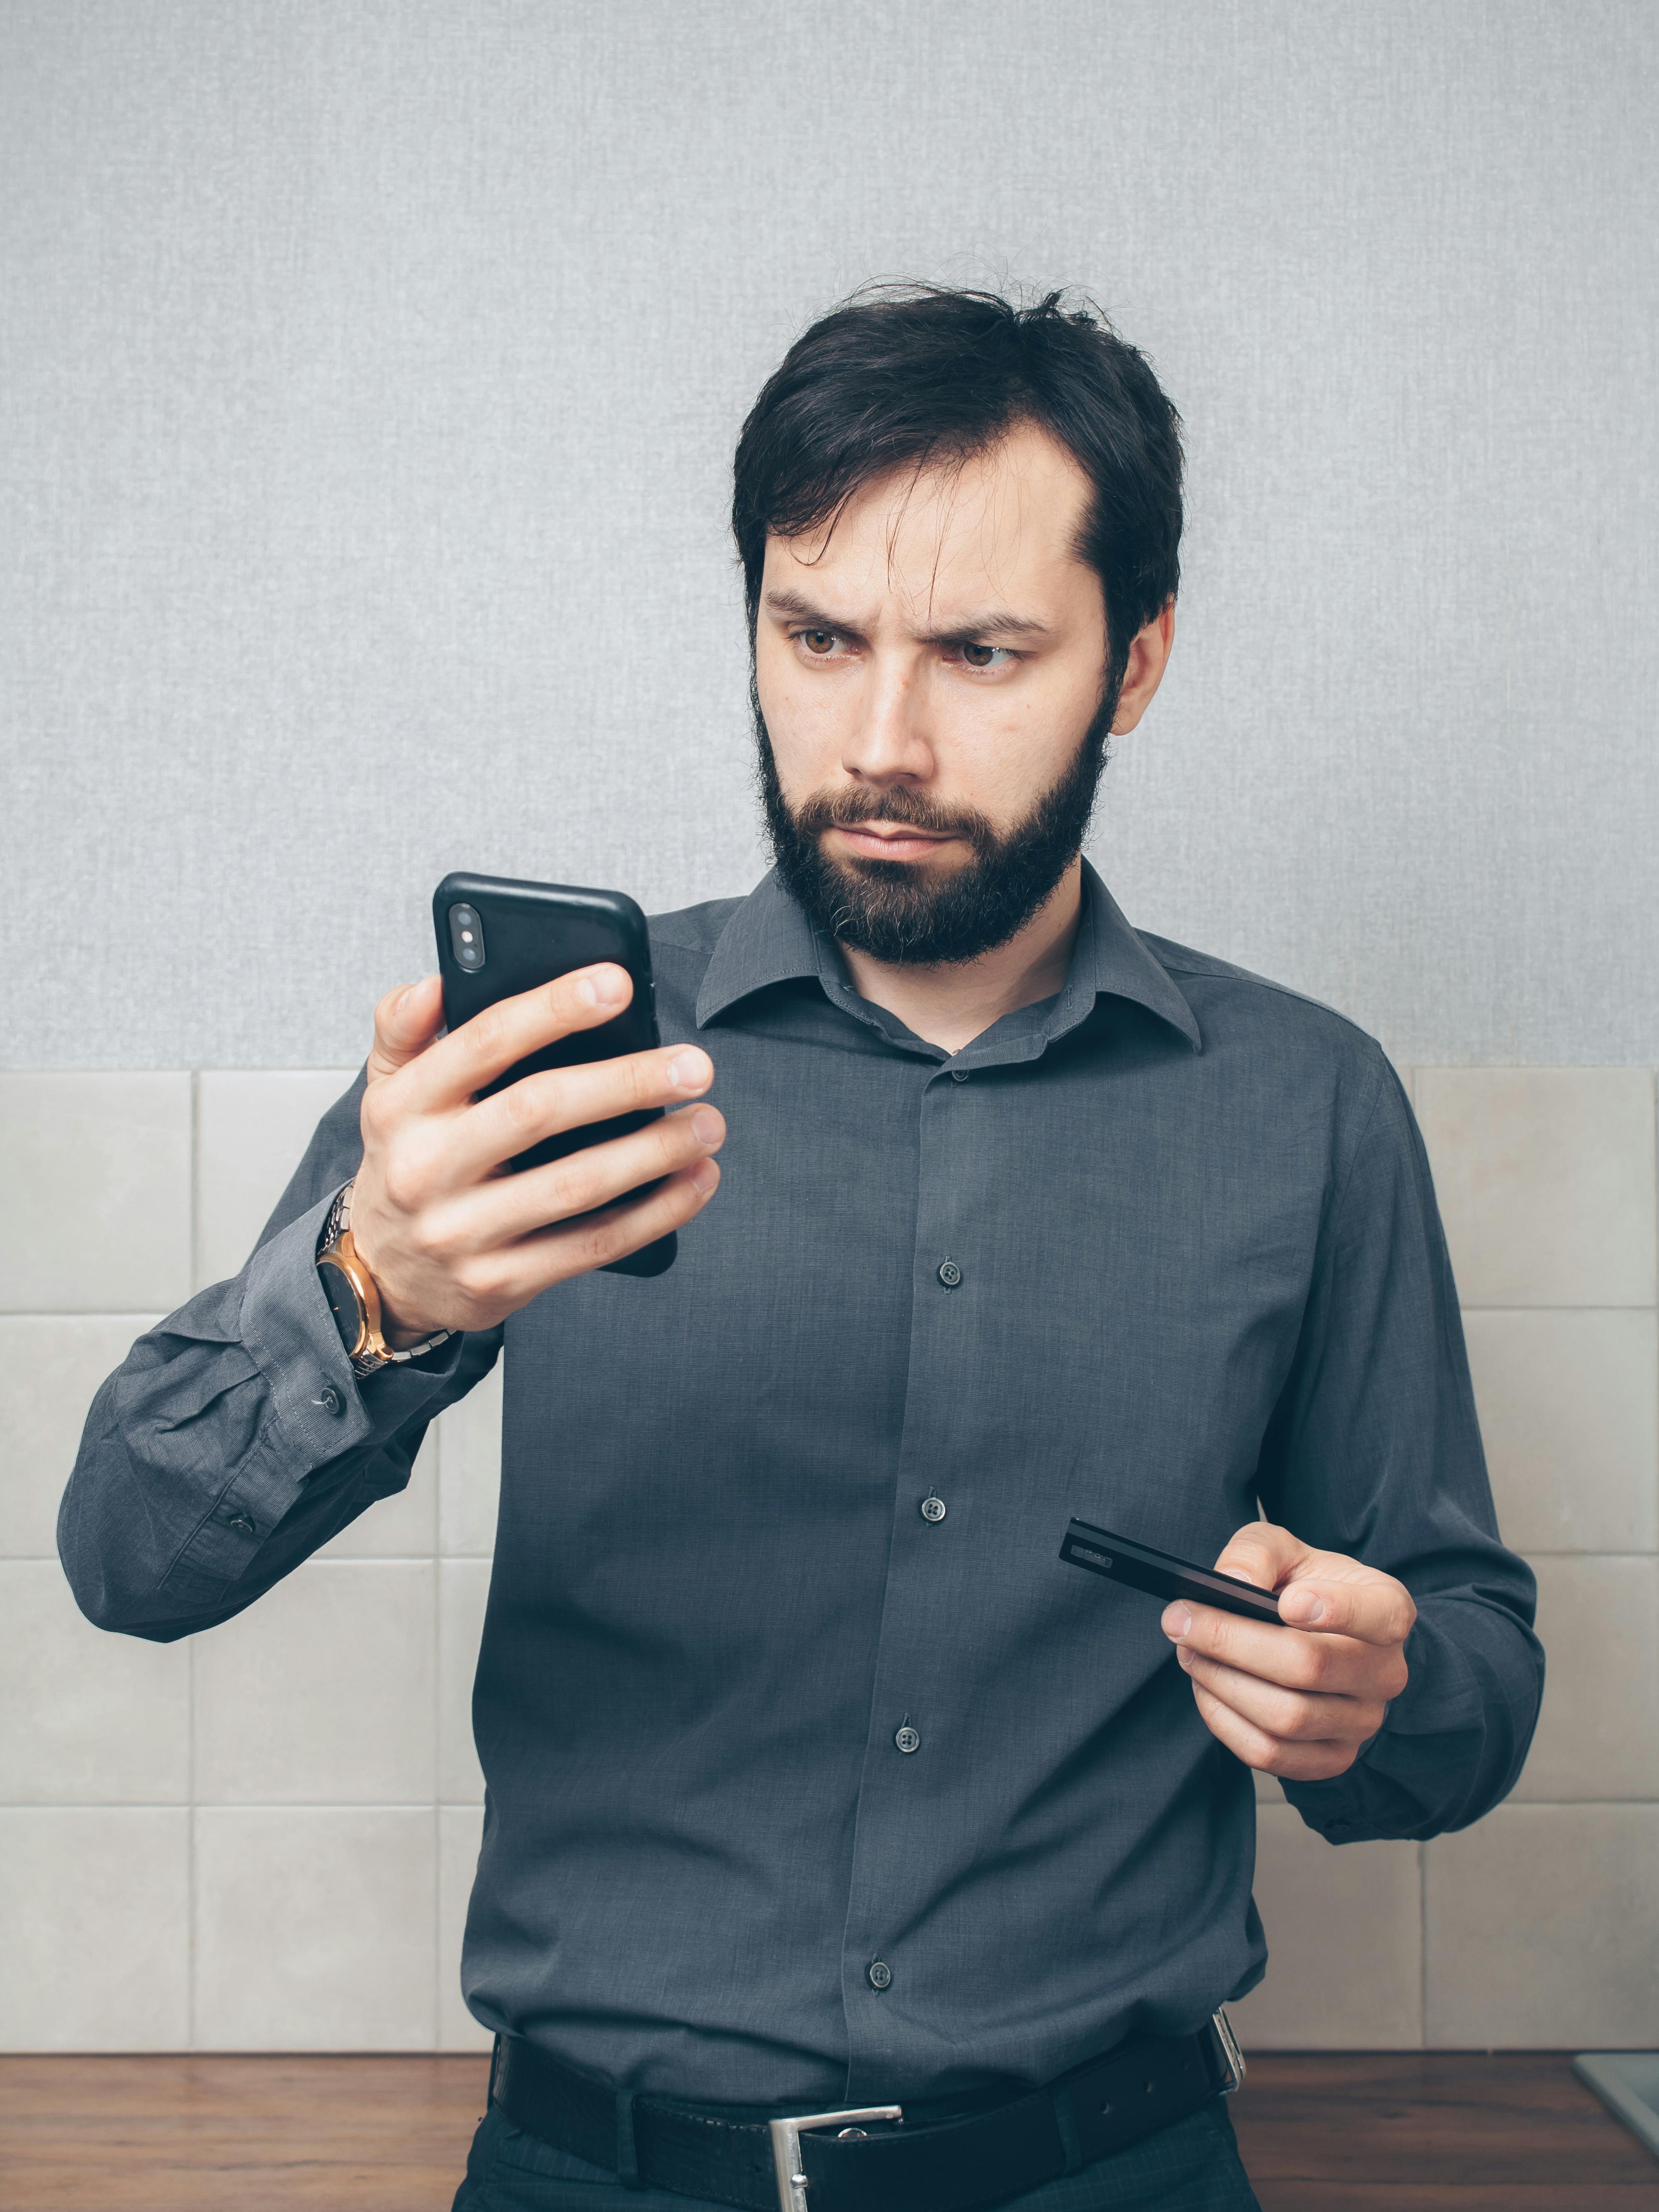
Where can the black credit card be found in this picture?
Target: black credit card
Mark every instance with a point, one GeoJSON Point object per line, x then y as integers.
{"type": "Point", "coordinates": [1161, 1574]}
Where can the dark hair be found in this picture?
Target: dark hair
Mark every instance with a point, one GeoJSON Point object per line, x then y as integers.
{"type": "Point", "coordinates": [901, 376]}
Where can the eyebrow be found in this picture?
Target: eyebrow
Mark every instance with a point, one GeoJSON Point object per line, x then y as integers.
{"type": "Point", "coordinates": [797, 608]}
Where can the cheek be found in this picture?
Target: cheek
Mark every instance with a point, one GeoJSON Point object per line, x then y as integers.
{"type": "Point", "coordinates": [807, 718]}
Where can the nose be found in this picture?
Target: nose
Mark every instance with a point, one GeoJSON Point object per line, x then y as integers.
{"type": "Point", "coordinates": [889, 742]}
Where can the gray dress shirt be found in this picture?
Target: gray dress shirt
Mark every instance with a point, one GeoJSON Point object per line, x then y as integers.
{"type": "Point", "coordinates": [814, 1776]}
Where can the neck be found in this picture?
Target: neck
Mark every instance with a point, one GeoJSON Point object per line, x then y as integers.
{"type": "Point", "coordinates": [952, 1004]}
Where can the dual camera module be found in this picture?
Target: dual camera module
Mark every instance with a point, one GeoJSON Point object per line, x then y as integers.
{"type": "Point", "coordinates": [466, 936]}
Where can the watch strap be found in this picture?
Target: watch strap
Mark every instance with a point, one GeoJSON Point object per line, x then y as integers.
{"type": "Point", "coordinates": [335, 1245]}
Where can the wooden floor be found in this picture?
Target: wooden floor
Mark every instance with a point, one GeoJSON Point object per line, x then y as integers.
{"type": "Point", "coordinates": [1436, 2132]}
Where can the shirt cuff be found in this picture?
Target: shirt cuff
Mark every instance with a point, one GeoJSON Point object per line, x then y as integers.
{"type": "Point", "coordinates": [318, 1411]}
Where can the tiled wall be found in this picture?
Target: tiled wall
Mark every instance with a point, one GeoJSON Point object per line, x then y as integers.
{"type": "Point", "coordinates": [263, 1838]}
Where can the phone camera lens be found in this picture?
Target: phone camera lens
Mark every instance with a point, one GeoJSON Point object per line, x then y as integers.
{"type": "Point", "coordinates": [466, 936]}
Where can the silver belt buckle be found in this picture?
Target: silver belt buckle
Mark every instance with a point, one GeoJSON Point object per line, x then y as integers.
{"type": "Point", "coordinates": [1233, 2069]}
{"type": "Point", "coordinates": [785, 2146]}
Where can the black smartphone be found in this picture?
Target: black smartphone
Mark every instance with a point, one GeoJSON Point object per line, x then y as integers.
{"type": "Point", "coordinates": [497, 937]}
{"type": "Point", "coordinates": [1161, 1574]}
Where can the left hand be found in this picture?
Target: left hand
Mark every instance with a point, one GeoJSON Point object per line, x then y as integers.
{"type": "Point", "coordinates": [1302, 1701]}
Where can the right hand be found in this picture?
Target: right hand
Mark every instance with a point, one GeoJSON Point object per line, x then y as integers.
{"type": "Point", "coordinates": [452, 1241]}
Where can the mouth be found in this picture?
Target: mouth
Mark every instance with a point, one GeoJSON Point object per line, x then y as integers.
{"type": "Point", "coordinates": [891, 840]}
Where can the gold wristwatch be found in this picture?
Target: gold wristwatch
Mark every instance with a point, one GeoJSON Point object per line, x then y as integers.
{"type": "Point", "coordinates": [354, 1299]}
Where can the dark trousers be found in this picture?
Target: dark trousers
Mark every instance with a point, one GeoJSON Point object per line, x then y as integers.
{"type": "Point", "coordinates": [1193, 2166]}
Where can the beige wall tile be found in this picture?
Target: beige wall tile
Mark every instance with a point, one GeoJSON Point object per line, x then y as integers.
{"type": "Point", "coordinates": [1543, 1930]}
{"type": "Point", "coordinates": [50, 1369]}
{"type": "Point", "coordinates": [316, 1928]}
{"type": "Point", "coordinates": [1598, 1735]}
{"type": "Point", "coordinates": [94, 1193]}
{"type": "Point", "coordinates": [322, 1693]}
{"type": "Point", "coordinates": [252, 1127]}
{"type": "Point", "coordinates": [94, 1929]}
{"type": "Point", "coordinates": [85, 1717]}
{"type": "Point", "coordinates": [1570, 1412]}
{"type": "Point", "coordinates": [470, 1470]}
{"type": "Point", "coordinates": [401, 1528]}
{"type": "Point", "coordinates": [1344, 1928]}
{"type": "Point", "coordinates": [463, 1591]}
{"type": "Point", "coordinates": [1546, 1178]}
{"type": "Point", "coordinates": [459, 1827]}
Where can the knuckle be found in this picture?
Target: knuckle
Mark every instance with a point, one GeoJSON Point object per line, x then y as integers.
{"type": "Point", "coordinates": [378, 1112]}
{"type": "Point", "coordinates": [521, 1106]}
{"type": "Point", "coordinates": [402, 1184]}
{"type": "Point", "coordinates": [489, 1029]}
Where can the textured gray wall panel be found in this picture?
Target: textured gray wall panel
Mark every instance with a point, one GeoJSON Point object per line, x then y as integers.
{"type": "Point", "coordinates": [370, 379]}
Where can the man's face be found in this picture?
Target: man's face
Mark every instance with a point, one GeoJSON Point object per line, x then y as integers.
{"type": "Point", "coordinates": [930, 679]}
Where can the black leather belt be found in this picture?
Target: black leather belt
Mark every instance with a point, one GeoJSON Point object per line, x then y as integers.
{"type": "Point", "coordinates": [873, 2161]}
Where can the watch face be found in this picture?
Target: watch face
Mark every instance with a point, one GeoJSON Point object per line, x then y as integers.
{"type": "Point", "coordinates": [342, 1303]}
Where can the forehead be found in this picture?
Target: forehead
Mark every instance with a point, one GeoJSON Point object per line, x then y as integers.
{"type": "Point", "coordinates": [1002, 525]}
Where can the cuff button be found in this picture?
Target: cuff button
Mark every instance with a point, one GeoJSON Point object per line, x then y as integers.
{"type": "Point", "coordinates": [331, 1400]}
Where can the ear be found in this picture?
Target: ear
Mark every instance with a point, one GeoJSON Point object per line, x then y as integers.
{"type": "Point", "coordinates": [1149, 656]}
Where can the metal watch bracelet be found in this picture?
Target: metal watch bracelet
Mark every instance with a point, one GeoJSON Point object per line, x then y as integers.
{"type": "Point", "coordinates": [336, 1227]}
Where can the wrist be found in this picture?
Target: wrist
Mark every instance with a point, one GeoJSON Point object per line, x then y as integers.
{"type": "Point", "coordinates": [372, 1337]}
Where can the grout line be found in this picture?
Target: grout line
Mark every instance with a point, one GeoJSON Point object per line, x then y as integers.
{"type": "Point", "coordinates": [190, 1851]}
{"type": "Point", "coordinates": [434, 1432]}
{"type": "Point", "coordinates": [190, 1672]}
{"type": "Point", "coordinates": [1422, 1946]}
{"type": "Point", "coordinates": [1510, 1804]}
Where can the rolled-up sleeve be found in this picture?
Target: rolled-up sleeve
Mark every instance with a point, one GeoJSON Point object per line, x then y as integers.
{"type": "Point", "coordinates": [1375, 1451]}
{"type": "Point", "coordinates": [235, 1438]}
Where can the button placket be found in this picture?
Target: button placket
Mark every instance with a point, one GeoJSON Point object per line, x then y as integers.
{"type": "Point", "coordinates": [906, 1659]}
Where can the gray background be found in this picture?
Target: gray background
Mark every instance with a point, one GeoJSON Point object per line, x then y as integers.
{"type": "Point", "coordinates": [370, 377]}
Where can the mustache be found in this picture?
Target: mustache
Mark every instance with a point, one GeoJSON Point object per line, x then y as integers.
{"type": "Point", "coordinates": [845, 810]}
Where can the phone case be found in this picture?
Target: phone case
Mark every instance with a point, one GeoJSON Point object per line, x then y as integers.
{"type": "Point", "coordinates": [530, 933]}
{"type": "Point", "coordinates": [1161, 1574]}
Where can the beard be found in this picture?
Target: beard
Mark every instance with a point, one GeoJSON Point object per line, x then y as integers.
{"type": "Point", "coordinates": [908, 913]}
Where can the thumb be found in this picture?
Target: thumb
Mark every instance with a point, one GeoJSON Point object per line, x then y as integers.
{"type": "Point", "coordinates": [405, 1023]}
{"type": "Point", "coordinates": [1263, 1554]}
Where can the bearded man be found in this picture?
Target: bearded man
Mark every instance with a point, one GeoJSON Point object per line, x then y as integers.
{"type": "Point", "coordinates": [820, 1791]}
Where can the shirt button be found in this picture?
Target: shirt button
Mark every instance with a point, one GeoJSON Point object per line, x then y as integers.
{"type": "Point", "coordinates": [880, 1974]}
{"type": "Point", "coordinates": [949, 1274]}
{"type": "Point", "coordinates": [932, 1509]}
{"type": "Point", "coordinates": [331, 1400]}
{"type": "Point", "coordinates": [958, 1075]}
{"type": "Point", "coordinates": [241, 1521]}
{"type": "Point", "coordinates": [908, 1740]}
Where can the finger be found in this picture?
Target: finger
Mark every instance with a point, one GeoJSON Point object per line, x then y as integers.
{"type": "Point", "coordinates": [1294, 1715]}
{"type": "Point", "coordinates": [1341, 1665]}
{"type": "Point", "coordinates": [1291, 1762]}
{"type": "Point", "coordinates": [1368, 1605]}
{"type": "Point", "coordinates": [473, 1055]}
{"type": "Point", "coordinates": [405, 1022]}
{"type": "Point", "coordinates": [555, 1099]}
{"type": "Point", "coordinates": [577, 1247]}
{"type": "Point", "coordinates": [1263, 1554]}
{"type": "Point", "coordinates": [510, 1207]}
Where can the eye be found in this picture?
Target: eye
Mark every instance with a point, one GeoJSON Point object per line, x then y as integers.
{"type": "Point", "coordinates": [820, 642]}
{"type": "Point", "coordinates": [985, 656]}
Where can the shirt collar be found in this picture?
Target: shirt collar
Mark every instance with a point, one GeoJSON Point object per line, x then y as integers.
{"type": "Point", "coordinates": [769, 940]}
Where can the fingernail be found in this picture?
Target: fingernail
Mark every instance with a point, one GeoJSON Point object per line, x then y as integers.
{"type": "Point", "coordinates": [705, 1175]}
{"type": "Point", "coordinates": [689, 1070]}
{"type": "Point", "coordinates": [706, 1126]}
{"type": "Point", "coordinates": [1304, 1607]}
{"type": "Point", "coordinates": [603, 987]}
{"type": "Point", "coordinates": [1177, 1620]}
